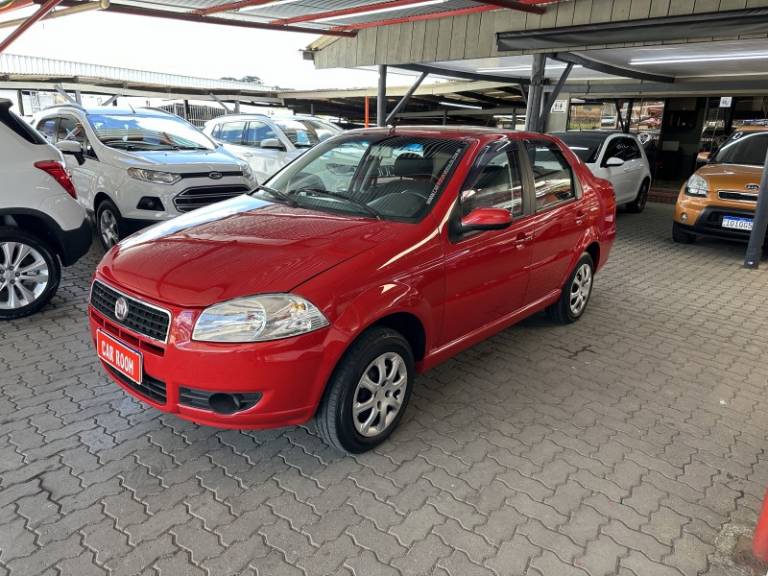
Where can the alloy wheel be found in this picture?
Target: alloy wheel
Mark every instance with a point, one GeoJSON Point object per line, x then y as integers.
{"type": "Point", "coordinates": [108, 228]}
{"type": "Point", "coordinates": [580, 289]}
{"type": "Point", "coordinates": [24, 275]}
{"type": "Point", "coordinates": [379, 394]}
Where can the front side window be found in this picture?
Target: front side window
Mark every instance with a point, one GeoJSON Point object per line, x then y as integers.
{"type": "Point", "coordinates": [391, 177]}
{"type": "Point", "coordinates": [146, 133]}
{"type": "Point", "coordinates": [71, 129]}
{"type": "Point", "coordinates": [631, 149]}
{"type": "Point", "coordinates": [300, 134]}
{"type": "Point", "coordinates": [748, 149]}
{"type": "Point", "coordinates": [231, 132]}
{"type": "Point", "coordinates": [497, 184]}
{"type": "Point", "coordinates": [257, 132]}
{"type": "Point", "coordinates": [552, 175]}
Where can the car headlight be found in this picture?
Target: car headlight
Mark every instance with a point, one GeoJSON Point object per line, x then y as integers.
{"type": "Point", "coordinates": [247, 172]}
{"type": "Point", "coordinates": [153, 176]}
{"type": "Point", "coordinates": [258, 319]}
{"type": "Point", "coordinates": [697, 186]}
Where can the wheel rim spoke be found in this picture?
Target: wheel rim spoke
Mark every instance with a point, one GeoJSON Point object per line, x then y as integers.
{"type": "Point", "coordinates": [24, 275]}
{"type": "Point", "coordinates": [379, 395]}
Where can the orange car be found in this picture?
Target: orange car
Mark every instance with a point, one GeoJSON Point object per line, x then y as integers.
{"type": "Point", "coordinates": [720, 198]}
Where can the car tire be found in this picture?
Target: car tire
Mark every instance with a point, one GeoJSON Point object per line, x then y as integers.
{"type": "Point", "coordinates": [108, 224]}
{"type": "Point", "coordinates": [681, 236]}
{"type": "Point", "coordinates": [638, 204]}
{"type": "Point", "coordinates": [357, 382]}
{"type": "Point", "coordinates": [576, 292]}
{"type": "Point", "coordinates": [19, 298]}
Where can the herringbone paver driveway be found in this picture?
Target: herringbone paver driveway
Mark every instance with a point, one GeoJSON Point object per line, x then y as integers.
{"type": "Point", "coordinates": [620, 445]}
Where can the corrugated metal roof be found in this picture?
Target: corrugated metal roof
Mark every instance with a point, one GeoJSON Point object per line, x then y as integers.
{"type": "Point", "coordinates": [31, 66]}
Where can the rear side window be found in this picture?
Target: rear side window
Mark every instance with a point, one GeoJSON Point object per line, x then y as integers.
{"type": "Point", "coordinates": [20, 127]}
{"type": "Point", "coordinates": [552, 175]}
{"type": "Point", "coordinates": [47, 128]}
{"type": "Point", "coordinates": [750, 149]}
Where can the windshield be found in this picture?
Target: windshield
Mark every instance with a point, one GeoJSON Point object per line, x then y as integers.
{"type": "Point", "coordinates": [391, 177]}
{"type": "Point", "coordinates": [300, 134]}
{"type": "Point", "coordinates": [585, 145]}
{"type": "Point", "coordinates": [137, 132]}
{"type": "Point", "coordinates": [744, 148]}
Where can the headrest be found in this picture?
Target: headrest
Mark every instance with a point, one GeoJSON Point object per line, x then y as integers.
{"type": "Point", "coordinates": [412, 165]}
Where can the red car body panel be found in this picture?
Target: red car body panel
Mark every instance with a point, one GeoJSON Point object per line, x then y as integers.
{"type": "Point", "coordinates": [357, 271]}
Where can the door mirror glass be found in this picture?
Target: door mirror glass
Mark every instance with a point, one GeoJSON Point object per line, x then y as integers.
{"type": "Point", "coordinates": [73, 148]}
{"type": "Point", "coordinates": [272, 144]}
{"type": "Point", "coordinates": [614, 162]}
{"type": "Point", "coordinates": [486, 219]}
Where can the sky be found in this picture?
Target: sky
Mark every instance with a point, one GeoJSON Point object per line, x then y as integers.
{"type": "Point", "coordinates": [161, 45]}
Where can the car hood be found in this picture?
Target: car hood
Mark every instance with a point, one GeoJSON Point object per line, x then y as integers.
{"type": "Point", "coordinates": [732, 176]}
{"type": "Point", "coordinates": [238, 247]}
{"type": "Point", "coordinates": [181, 161]}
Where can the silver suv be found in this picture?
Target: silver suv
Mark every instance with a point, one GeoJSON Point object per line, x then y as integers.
{"type": "Point", "coordinates": [268, 143]}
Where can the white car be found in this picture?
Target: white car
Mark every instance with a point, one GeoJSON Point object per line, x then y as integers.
{"type": "Point", "coordinates": [268, 143]}
{"type": "Point", "coordinates": [42, 227]}
{"type": "Point", "coordinates": [617, 157]}
{"type": "Point", "coordinates": [138, 167]}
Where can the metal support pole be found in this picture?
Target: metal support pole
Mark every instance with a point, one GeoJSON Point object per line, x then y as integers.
{"type": "Point", "coordinates": [760, 223]}
{"type": "Point", "coordinates": [61, 92]}
{"type": "Point", "coordinates": [78, 97]}
{"type": "Point", "coordinates": [381, 97]}
{"type": "Point", "coordinates": [186, 110]}
{"type": "Point", "coordinates": [20, 98]}
{"type": "Point", "coordinates": [220, 102]}
{"type": "Point", "coordinates": [535, 92]}
{"type": "Point", "coordinates": [406, 97]}
{"type": "Point", "coordinates": [550, 101]}
{"type": "Point", "coordinates": [237, 106]}
{"type": "Point", "coordinates": [367, 112]}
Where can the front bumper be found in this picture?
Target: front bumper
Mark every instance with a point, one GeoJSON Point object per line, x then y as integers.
{"type": "Point", "coordinates": [286, 376]}
{"type": "Point", "coordinates": [704, 215]}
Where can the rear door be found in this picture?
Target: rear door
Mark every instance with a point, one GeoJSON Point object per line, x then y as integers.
{"type": "Point", "coordinates": [487, 272]}
{"type": "Point", "coordinates": [559, 221]}
{"type": "Point", "coordinates": [634, 167]}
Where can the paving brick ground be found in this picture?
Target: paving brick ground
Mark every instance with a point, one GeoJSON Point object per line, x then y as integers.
{"type": "Point", "coordinates": [618, 446]}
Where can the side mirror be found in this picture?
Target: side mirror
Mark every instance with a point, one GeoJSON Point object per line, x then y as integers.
{"type": "Point", "coordinates": [486, 219]}
{"type": "Point", "coordinates": [614, 162]}
{"type": "Point", "coordinates": [72, 147]}
{"type": "Point", "coordinates": [272, 144]}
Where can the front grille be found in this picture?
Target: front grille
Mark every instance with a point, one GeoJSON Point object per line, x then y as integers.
{"type": "Point", "coordinates": [150, 387]}
{"type": "Point", "coordinates": [736, 195]}
{"type": "Point", "coordinates": [198, 197]}
{"type": "Point", "coordinates": [142, 318]}
{"type": "Point", "coordinates": [199, 398]}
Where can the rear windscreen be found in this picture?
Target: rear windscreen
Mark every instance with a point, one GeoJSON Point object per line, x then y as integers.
{"type": "Point", "coordinates": [19, 126]}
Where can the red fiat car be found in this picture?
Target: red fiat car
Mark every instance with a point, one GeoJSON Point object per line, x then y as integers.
{"type": "Point", "coordinates": [370, 259]}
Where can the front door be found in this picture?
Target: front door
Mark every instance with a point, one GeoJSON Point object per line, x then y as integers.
{"type": "Point", "coordinates": [487, 272]}
{"type": "Point", "coordinates": [559, 222]}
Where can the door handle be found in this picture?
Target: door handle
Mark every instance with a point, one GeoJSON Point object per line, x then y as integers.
{"type": "Point", "coordinates": [523, 238]}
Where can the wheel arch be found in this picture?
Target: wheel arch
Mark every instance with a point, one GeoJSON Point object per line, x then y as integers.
{"type": "Point", "coordinates": [37, 224]}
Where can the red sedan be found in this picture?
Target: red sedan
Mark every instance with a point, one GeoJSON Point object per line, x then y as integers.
{"type": "Point", "coordinates": [373, 257]}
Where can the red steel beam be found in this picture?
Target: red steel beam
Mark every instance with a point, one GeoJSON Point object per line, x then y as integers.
{"type": "Point", "coordinates": [41, 13]}
{"type": "Point", "coordinates": [230, 6]}
{"type": "Point", "coordinates": [525, 6]}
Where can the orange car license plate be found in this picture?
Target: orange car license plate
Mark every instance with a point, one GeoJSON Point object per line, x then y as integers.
{"type": "Point", "coordinates": [119, 356]}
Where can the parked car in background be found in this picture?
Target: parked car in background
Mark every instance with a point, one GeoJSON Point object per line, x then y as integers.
{"type": "Point", "coordinates": [268, 143]}
{"type": "Point", "coordinates": [720, 198]}
{"type": "Point", "coordinates": [42, 227]}
{"type": "Point", "coordinates": [619, 158]}
{"type": "Point", "coordinates": [324, 292]}
{"type": "Point", "coordinates": [136, 167]}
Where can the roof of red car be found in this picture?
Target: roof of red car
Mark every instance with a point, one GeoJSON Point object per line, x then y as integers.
{"type": "Point", "coordinates": [478, 132]}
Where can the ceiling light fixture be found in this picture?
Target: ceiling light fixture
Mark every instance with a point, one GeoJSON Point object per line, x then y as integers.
{"type": "Point", "coordinates": [704, 58]}
{"type": "Point", "coordinates": [380, 10]}
{"type": "Point", "coordinates": [459, 105]}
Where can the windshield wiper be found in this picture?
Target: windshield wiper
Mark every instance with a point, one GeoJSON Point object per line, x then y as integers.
{"type": "Point", "coordinates": [362, 205]}
{"type": "Point", "coordinates": [274, 192]}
